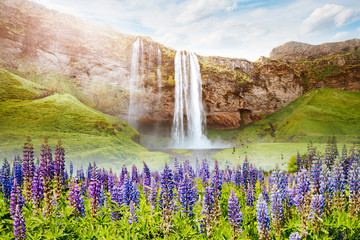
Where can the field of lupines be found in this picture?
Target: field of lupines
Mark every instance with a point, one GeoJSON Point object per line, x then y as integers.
{"type": "Point", "coordinates": [42, 200]}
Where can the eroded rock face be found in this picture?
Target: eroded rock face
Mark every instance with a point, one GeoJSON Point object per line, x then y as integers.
{"type": "Point", "coordinates": [96, 61]}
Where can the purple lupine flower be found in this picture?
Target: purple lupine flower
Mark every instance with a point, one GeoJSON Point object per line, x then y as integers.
{"type": "Point", "coordinates": [37, 190]}
{"type": "Point", "coordinates": [263, 218]}
{"type": "Point", "coordinates": [134, 174]}
{"type": "Point", "coordinates": [166, 200]}
{"type": "Point", "coordinates": [6, 182]}
{"type": "Point", "coordinates": [339, 188]}
{"type": "Point", "coordinates": [302, 188]}
{"type": "Point", "coordinates": [146, 177]}
{"type": "Point", "coordinates": [249, 197]}
{"type": "Point", "coordinates": [46, 174]}
{"type": "Point", "coordinates": [102, 199]}
{"type": "Point", "coordinates": [354, 189]}
{"type": "Point", "coordinates": [307, 162]}
{"type": "Point", "coordinates": [59, 171]}
{"type": "Point", "coordinates": [132, 217]}
{"type": "Point", "coordinates": [123, 175]}
{"type": "Point", "coordinates": [187, 195]}
{"type": "Point", "coordinates": [94, 191]}
{"type": "Point", "coordinates": [19, 224]}
{"type": "Point", "coordinates": [317, 206]}
{"type": "Point", "coordinates": [295, 236]}
{"type": "Point", "coordinates": [234, 213]}
{"type": "Point", "coordinates": [153, 195]}
{"type": "Point", "coordinates": [277, 206]}
{"type": "Point", "coordinates": [206, 212]}
{"type": "Point", "coordinates": [28, 168]}
{"type": "Point", "coordinates": [315, 173]}
{"type": "Point", "coordinates": [75, 199]}
{"type": "Point", "coordinates": [299, 162]}
{"type": "Point", "coordinates": [16, 198]}
{"type": "Point", "coordinates": [204, 171]}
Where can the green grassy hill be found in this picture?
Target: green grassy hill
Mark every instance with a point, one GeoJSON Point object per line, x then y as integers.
{"type": "Point", "coordinates": [27, 109]}
{"type": "Point", "coordinates": [316, 115]}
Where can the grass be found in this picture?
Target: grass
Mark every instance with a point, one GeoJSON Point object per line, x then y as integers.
{"type": "Point", "coordinates": [265, 155]}
{"type": "Point", "coordinates": [87, 134]}
{"type": "Point", "coordinates": [316, 116]}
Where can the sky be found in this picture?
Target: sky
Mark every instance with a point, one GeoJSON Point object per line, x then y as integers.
{"type": "Point", "coordinates": [230, 28]}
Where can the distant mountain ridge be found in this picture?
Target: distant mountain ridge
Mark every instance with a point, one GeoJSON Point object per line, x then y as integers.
{"type": "Point", "coordinates": [298, 51]}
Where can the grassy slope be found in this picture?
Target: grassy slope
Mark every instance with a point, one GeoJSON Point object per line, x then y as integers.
{"type": "Point", "coordinates": [87, 134]}
{"type": "Point", "coordinates": [317, 115]}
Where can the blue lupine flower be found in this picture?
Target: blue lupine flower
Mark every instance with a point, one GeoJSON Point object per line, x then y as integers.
{"type": "Point", "coordinates": [317, 206]}
{"type": "Point", "coordinates": [153, 194]}
{"type": "Point", "coordinates": [146, 177]}
{"type": "Point", "coordinates": [133, 216]}
{"type": "Point", "coordinates": [166, 201]}
{"type": "Point", "coordinates": [204, 171]}
{"type": "Point", "coordinates": [187, 195]}
{"type": "Point", "coordinates": [134, 174]}
{"type": "Point", "coordinates": [263, 218]}
{"type": "Point", "coordinates": [17, 171]}
{"type": "Point", "coordinates": [246, 173]}
{"type": "Point", "coordinates": [315, 173]}
{"type": "Point", "coordinates": [354, 189]}
{"type": "Point", "coordinates": [302, 188]}
{"type": "Point", "coordinates": [234, 213]}
{"type": "Point", "coordinates": [166, 189]}
{"type": "Point", "coordinates": [249, 196]}
{"type": "Point", "coordinates": [277, 206]}
{"type": "Point", "coordinates": [6, 182]}
{"type": "Point", "coordinates": [71, 169]}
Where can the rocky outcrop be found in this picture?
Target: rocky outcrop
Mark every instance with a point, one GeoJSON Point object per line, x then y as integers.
{"type": "Point", "coordinates": [93, 63]}
{"type": "Point", "coordinates": [297, 51]}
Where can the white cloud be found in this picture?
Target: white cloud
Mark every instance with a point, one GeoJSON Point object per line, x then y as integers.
{"type": "Point", "coordinates": [231, 28]}
{"type": "Point", "coordinates": [327, 17]}
{"type": "Point", "coordinates": [341, 36]}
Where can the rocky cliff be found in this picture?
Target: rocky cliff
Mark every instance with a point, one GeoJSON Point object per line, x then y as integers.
{"type": "Point", "coordinates": [93, 63]}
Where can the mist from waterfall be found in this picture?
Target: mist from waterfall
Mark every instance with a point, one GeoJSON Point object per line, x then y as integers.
{"type": "Point", "coordinates": [189, 122]}
{"type": "Point", "coordinates": [135, 81]}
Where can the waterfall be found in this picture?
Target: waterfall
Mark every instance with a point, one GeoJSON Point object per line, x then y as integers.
{"type": "Point", "coordinates": [135, 81]}
{"type": "Point", "coordinates": [159, 77]}
{"type": "Point", "coordinates": [188, 132]}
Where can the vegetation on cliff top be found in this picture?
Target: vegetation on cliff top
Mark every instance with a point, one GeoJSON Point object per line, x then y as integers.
{"type": "Point", "coordinates": [27, 108]}
{"type": "Point", "coordinates": [316, 115]}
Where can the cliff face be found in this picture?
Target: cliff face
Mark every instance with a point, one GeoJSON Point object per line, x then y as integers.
{"type": "Point", "coordinates": [93, 63]}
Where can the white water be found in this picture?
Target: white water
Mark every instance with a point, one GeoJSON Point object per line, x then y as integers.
{"type": "Point", "coordinates": [159, 77]}
{"type": "Point", "coordinates": [135, 81]}
{"type": "Point", "coordinates": [188, 132]}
